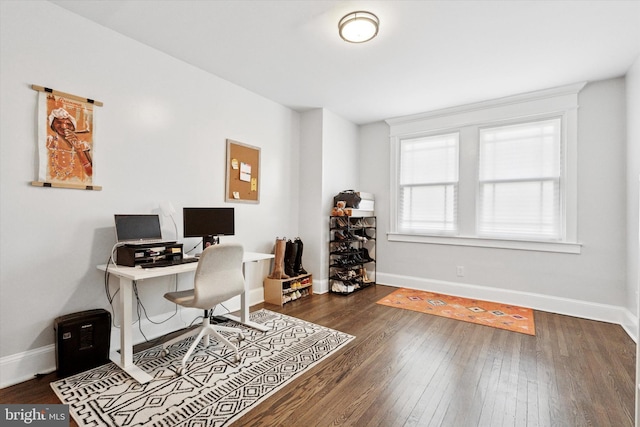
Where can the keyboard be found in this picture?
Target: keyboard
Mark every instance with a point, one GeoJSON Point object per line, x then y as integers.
{"type": "Point", "coordinates": [144, 243]}
{"type": "Point", "coordinates": [168, 263]}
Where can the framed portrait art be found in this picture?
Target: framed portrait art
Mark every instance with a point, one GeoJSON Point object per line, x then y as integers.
{"type": "Point", "coordinates": [66, 140]}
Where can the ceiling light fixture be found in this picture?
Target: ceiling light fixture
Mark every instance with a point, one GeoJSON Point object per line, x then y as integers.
{"type": "Point", "coordinates": [358, 27]}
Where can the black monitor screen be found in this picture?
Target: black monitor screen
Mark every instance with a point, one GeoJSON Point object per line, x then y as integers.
{"type": "Point", "coordinates": [204, 222]}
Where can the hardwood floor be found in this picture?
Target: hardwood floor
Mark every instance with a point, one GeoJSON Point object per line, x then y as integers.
{"type": "Point", "coordinates": [412, 369]}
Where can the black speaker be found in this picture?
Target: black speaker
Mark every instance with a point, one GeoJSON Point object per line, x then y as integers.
{"type": "Point", "coordinates": [82, 340]}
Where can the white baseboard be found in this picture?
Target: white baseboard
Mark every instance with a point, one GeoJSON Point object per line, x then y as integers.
{"type": "Point", "coordinates": [24, 366]}
{"type": "Point", "coordinates": [553, 304]}
{"type": "Point", "coordinates": [320, 286]}
{"type": "Point", "coordinates": [630, 325]}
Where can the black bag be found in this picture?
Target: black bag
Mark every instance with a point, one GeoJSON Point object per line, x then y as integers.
{"type": "Point", "coordinates": [350, 197]}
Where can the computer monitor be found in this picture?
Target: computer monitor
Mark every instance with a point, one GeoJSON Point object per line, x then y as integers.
{"type": "Point", "coordinates": [208, 223]}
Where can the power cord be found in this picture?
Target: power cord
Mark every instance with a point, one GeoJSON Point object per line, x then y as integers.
{"type": "Point", "coordinates": [175, 227]}
{"type": "Point", "coordinates": [112, 258]}
{"type": "Point", "coordinates": [197, 244]}
{"type": "Point", "coordinates": [110, 297]}
{"type": "Point", "coordinates": [223, 306]}
{"type": "Point", "coordinates": [140, 308]}
{"type": "Point", "coordinates": [140, 305]}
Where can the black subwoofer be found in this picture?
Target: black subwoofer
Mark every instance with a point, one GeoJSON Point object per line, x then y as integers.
{"type": "Point", "coordinates": [82, 340]}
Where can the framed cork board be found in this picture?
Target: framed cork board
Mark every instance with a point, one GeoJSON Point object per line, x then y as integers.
{"type": "Point", "coordinates": [243, 173]}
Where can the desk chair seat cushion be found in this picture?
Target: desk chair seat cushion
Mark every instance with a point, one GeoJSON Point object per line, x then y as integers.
{"type": "Point", "coordinates": [183, 298]}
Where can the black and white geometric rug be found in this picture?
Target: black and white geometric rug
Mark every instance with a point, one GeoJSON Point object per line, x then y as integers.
{"type": "Point", "coordinates": [214, 391]}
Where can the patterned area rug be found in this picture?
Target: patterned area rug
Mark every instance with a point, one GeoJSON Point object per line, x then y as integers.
{"type": "Point", "coordinates": [214, 391]}
{"type": "Point", "coordinates": [502, 316]}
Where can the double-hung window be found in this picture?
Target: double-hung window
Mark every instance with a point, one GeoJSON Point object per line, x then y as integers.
{"type": "Point", "coordinates": [428, 184]}
{"type": "Point", "coordinates": [500, 173]}
{"type": "Point", "coordinates": [519, 173]}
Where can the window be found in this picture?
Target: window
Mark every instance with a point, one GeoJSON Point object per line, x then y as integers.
{"type": "Point", "coordinates": [500, 173]}
{"type": "Point", "coordinates": [428, 184]}
{"type": "Point", "coordinates": [519, 173]}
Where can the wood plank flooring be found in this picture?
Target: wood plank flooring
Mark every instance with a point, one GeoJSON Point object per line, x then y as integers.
{"type": "Point", "coordinates": [411, 369]}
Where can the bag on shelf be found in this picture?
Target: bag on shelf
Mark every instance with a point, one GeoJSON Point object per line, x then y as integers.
{"type": "Point", "coordinates": [350, 197]}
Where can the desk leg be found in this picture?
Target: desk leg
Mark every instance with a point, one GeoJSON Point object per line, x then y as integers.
{"type": "Point", "coordinates": [125, 358]}
{"type": "Point", "coordinates": [244, 310]}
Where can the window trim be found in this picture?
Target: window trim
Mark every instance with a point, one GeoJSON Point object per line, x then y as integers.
{"type": "Point", "coordinates": [555, 102]}
{"type": "Point", "coordinates": [481, 242]}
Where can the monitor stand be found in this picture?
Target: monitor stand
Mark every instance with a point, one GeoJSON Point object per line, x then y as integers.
{"type": "Point", "coordinates": [209, 241]}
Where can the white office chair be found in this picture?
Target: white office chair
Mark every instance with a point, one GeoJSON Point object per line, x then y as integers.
{"type": "Point", "coordinates": [218, 278]}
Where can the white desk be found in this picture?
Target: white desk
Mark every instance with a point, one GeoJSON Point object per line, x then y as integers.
{"type": "Point", "coordinates": [128, 275]}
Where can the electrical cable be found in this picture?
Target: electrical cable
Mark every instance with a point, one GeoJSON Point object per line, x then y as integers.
{"type": "Point", "coordinates": [223, 306]}
{"type": "Point", "coordinates": [174, 225]}
{"type": "Point", "coordinates": [110, 297]}
{"type": "Point", "coordinates": [140, 305]}
{"type": "Point", "coordinates": [193, 321]}
{"type": "Point", "coordinates": [197, 244]}
{"type": "Point", "coordinates": [140, 308]}
{"type": "Point", "coordinates": [112, 259]}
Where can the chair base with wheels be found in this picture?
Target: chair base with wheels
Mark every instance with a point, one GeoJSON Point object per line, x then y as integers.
{"type": "Point", "coordinates": [218, 278]}
{"type": "Point", "coordinates": [203, 332]}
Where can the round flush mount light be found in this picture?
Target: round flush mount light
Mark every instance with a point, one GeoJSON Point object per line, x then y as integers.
{"type": "Point", "coordinates": [358, 27]}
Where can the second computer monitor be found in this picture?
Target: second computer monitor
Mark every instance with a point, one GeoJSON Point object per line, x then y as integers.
{"type": "Point", "coordinates": [208, 223]}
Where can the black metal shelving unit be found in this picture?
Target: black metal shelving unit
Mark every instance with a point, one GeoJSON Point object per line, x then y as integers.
{"type": "Point", "coordinates": [352, 249]}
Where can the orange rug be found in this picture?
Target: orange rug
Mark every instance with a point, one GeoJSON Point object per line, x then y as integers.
{"type": "Point", "coordinates": [501, 316]}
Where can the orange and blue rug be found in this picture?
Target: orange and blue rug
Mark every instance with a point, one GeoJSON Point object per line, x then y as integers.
{"type": "Point", "coordinates": [496, 315]}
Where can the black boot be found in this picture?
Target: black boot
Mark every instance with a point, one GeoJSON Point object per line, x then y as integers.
{"type": "Point", "coordinates": [365, 255]}
{"type": "Point", "coordinates": [290, 259]}
{"type": "Point", "coordinates": [297, 266]}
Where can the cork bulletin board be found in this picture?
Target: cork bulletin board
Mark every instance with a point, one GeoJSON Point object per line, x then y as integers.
{"type": "Point", "coordinates": [243, 173]}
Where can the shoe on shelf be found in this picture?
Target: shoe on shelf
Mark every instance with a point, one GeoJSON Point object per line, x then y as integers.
{"type": "Point", "coordinates": [360, 223]}
{"type": "Point", "coordinates": [339, 235]}
{"type": "Point", "coordinates": [365, 278]}
{"type": "Point", "coordinates": [364, 252]}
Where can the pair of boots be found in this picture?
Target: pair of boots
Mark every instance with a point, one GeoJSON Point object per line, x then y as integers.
{"type": "Point", "coordinates": [288, 259]}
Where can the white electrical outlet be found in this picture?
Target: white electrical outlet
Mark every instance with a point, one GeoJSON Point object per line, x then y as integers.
{"type": "Point", "coordinates": [460, 270]}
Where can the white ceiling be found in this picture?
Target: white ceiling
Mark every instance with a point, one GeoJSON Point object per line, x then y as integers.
{"type": "Point", "coordinates": [427, 55]}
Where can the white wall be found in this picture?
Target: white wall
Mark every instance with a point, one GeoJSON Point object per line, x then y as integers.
{"type": "Point", "coordinates": [633, 190]}
{"type": "Point", "coordinates": [340, 170]}
{"type": "Point", "coordinates": [311, 197]}
{"type": "Point", "coordinates": [162, 134]}
{"type": "Point", "coordinates": [161, 137]}
{"type": "Point", "coordinates": [592, 284]}
{"type": "Point", "coordinates": [329, 164]}
{"type": "Point", "coordinates": [342, 163]}
{"type": "Point", "coordinates": [633, 215]}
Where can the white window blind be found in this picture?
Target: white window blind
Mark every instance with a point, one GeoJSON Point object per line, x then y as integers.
{"type": "Point", "coordinates": [428, 184]}
{"type": "Point", "coordinates": [520, 170]}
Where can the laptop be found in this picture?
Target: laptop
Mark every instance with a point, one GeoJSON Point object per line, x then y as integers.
{"type": "Point", "coordinates": [138, 229]}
